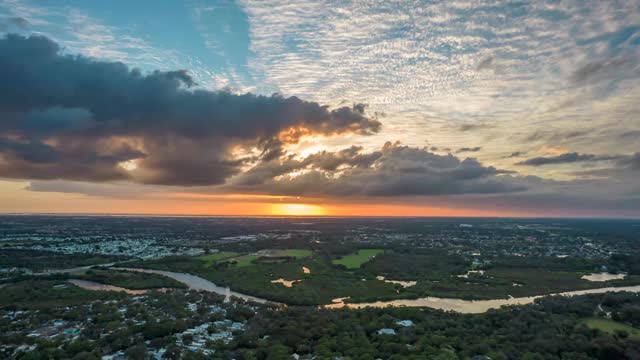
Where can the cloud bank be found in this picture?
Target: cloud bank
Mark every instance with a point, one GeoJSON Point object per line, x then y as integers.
{"type": "Point", "coordinates": [71, 117]}
{"type": "Point", "coordinates": [394, 170]}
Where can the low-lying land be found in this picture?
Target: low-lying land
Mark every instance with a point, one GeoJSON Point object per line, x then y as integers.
{"type": "Point", "coordinates": [44, 319]}
{"type": "Point", "coordinates": [436, 273]}
{"type": "Point", "coordinates": [44, 316]}
{"type": "Point", "coordinates": [214, 258]}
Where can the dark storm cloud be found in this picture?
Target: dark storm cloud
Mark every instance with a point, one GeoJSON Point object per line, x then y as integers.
{"type": "Point", "coordinates": [37, 153]}
{"type": "Point", "coordinates": [71, 117]}
{"type": "Point", "coordinates": [394, 170]}
{"type": "Point", "coordinates": [566, 159]}
{"type": "Point", "coordinates": [468, 149]}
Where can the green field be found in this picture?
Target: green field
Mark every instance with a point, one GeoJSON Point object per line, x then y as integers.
{"type": "Point", "coordinates": [294, 253]}
{"type": "Point", "coordinates": [356, 259]}
{"type": "Point", "coordinates": [249, 260]}
{"type": "Point", "coordinates": [611, 327]}
{"type": "Point", "coordinates": [243, 261]}
{"type": "Point", "coordinates": [214, 258]}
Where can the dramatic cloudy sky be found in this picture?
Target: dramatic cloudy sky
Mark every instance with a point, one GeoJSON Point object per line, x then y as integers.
{"type": "Point", "coordinates": [482, 108]}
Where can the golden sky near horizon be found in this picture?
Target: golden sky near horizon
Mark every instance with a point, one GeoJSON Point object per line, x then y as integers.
{"type": "Point", "coordinates": [16, 199]}
{"type": "Point", "coordinates": [305, 107]}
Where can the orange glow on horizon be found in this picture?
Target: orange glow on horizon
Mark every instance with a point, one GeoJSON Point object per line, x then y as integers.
{"type": "Point", "coordinates": [297, 210]}
{"type": "Point", "coordinates": [17, 199]}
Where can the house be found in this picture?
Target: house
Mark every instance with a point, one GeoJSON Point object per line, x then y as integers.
{"type": "Point", "coordinates": [405, 323]}
{"type": "Point", "coordinates": [386, 331]}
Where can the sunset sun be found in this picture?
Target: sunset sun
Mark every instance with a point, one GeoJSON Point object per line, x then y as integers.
{"type": "Point", "coordinates": [297, 210]}
{"type": "Point", "coordinates": [320, 179]}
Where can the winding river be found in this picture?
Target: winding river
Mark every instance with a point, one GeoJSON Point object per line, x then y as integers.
{"type": "Point", "coordinates": [448, 304]}
{"type": "Point", "coordinates": [197, 283]}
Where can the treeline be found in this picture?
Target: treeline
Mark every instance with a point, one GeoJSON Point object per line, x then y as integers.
{"type": "Point", "coordinates": [549, 329]}
{"type": "Point", "coordinates": [39, 260]}
{"type": "Point", "coordinates": [129, 279]}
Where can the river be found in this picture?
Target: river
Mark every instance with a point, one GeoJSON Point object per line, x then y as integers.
{"type": "Point", "coordinates": [197, 283]}
{"type": "Point", "coordinates": [448, 304]}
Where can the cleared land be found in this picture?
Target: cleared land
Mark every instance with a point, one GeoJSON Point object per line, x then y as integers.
{"type": "Point", "coordinates": [294, 253]}
{"type": "Point", "coordinates": [216, 257]}
{"type": "Point", "coordinates": [356, 259]}
{"type": "Point", "coordinates": [611, 327]}
{"type": "Point", "coordinates": [242, 261]}
{"type": "Point", "coordinates": [250, 259]}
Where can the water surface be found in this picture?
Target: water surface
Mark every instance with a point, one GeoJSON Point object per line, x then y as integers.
{"type": "Point", "coordinates": [197, 283]}
{"type": "Point", "coordinates": [471, 306]}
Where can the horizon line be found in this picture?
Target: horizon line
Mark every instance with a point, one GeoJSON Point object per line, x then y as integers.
{"type": "Point", "coordinates": [577, 217]}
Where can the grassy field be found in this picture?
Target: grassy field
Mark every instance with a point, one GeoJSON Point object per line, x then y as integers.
{"type": "Point", "coordinates": [294, 253]}
{"type": "Point", "coordinates": [356, 259]}
{"type": "Point", "coordinates": [214, 258]}
{"type": "Point", "coordinates": [249, 260]}
{"type": "Point", "coordinates": [610, 327]}
{"type": "Point", "coordinates": [244, 260]}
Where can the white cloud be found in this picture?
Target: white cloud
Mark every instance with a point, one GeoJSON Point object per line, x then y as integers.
{"type": "Point", "coordinates": [418, 64]}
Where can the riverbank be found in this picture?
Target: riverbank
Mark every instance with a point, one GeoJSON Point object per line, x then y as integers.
{"type": "Point", "coordinates": [447, 304]}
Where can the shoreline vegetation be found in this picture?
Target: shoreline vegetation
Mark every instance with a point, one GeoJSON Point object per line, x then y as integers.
{"type": "Point", "coordinates": [460, 292]}
{"type": "Point", "coordinates": [602, 326]}
{"type": "Point", "coordinates": [430, 275]}
{"type": "Point", "coordinates": [320, 278]}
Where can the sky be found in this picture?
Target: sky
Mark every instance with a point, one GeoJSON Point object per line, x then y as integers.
{"type": "Point", "coordinates": [336, 108]}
